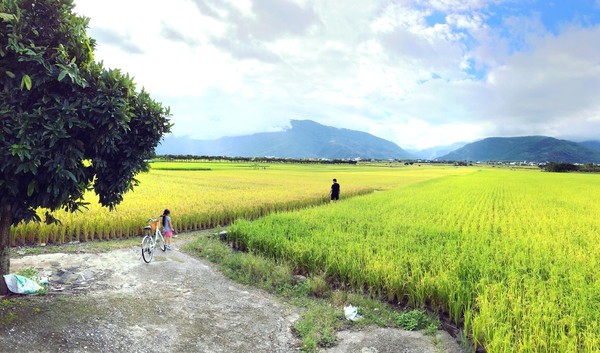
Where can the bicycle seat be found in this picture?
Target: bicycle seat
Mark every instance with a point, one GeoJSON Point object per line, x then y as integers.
{"type": "Point", "coordinates": [147, 228]}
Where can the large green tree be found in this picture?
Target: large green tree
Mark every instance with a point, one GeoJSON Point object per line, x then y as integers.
{"type": "Point", "coordinates": [67, 123]}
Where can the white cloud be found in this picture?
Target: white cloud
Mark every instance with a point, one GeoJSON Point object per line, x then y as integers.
{"type": "Point", "coordinates": [458, 5]}
{"type": "Point", "coordinates": [471, 22]}
{"type": "Point", "coordinates": [229, 67]}
{"type": "Point", "coordinates": [557, 81]}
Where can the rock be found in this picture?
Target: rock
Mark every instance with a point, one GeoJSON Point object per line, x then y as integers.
{"type": "Point", "coordinates": [88, 275]}
{"type": "Point", "coordinates": [390, 340]}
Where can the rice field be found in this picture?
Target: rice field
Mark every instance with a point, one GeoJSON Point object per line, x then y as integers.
{"type": "Point", "coordinates": [510, 255]}
{"type": "Point", "coordinates": [513, 256]}
{"type": "Point", "coordinates": [206, 195]}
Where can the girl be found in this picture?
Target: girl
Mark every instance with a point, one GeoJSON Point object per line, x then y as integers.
{"type": "Point", "coordinates": [167, 228]}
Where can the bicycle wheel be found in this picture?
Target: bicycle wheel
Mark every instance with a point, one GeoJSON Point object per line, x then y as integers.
{"type": "Point", "coordinates": [147, 249]}
{"type": "Point", "coordinates": [160, 241]}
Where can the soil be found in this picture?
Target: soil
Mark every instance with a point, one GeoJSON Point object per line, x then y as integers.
{"type": "Point", "coordinates": [115, 302]}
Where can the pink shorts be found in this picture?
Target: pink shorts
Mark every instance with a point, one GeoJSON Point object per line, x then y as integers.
{"type": "Point", "coordinates": [168, 234]}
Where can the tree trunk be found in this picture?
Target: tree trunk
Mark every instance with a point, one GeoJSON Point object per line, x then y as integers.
{"type": "Point", "coordinates": [5, 223]}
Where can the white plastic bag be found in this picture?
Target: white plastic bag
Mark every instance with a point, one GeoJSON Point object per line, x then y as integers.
{"type": "Point", "coordinates": [21, 285]}
{"type": "Point", "coordinates": [351, 313]}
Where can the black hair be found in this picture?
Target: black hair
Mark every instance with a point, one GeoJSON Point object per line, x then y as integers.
{"type": "Point", "coordinates": [335, 180]}
{"type": "Point", "coordinates": [166, 212]}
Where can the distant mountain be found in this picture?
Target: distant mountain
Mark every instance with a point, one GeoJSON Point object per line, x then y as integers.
{"type": "Point", "coordinates": [593, 145]}
{"type": "Point", "coordinates": [435, 152]}
{"type": "Point", "coordinates": [305, 139]}
{"type": "Point", "coordinates": [526, 148]}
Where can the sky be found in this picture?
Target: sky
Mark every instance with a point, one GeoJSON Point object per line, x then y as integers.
{"type": "Point", "coordinates": [420, 73]}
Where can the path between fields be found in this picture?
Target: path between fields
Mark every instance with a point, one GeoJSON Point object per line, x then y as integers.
{"type": "Point", "coordinates": [114, 302]}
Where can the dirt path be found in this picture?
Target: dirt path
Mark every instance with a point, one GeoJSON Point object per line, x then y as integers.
{"type": "Point", "coordinates": [114, 302]}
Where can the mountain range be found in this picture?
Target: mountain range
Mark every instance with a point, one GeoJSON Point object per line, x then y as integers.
{"type": "Point", "coordinates": [305, 139]}
{"type": "Point", "coordinates": [309, 139]}
{"type": "Point", "coordinates": [526, 148]}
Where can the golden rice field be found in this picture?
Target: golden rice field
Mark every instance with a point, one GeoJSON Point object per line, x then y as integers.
{"type": "Point", "coordinates": [514, 256]}
{"type": "Point", "coordinates": [511, 255]}
{"type": "Point", "coordinates": [205, 195]}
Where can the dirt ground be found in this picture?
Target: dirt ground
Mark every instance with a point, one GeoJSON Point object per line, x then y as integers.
{"type": "Point", "coordinates": [115, 302]}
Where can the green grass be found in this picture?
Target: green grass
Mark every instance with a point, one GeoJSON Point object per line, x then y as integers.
{"type": "Point", "coordinates": [415, 320]}
{"type": "Point", "coordinates": [159, 167]}
{"type": "Point", "coordinates": [318, 325]}
{"type": "Point", "coordinates": [30, 273]}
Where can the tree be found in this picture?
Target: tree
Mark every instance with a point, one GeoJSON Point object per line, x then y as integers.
{"type": "Point", "coordinates": [68, 124]}
{"type": "Point", "coordinates": [560, 167]}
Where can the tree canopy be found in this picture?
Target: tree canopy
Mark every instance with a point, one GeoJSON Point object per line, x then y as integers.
{"type": "Point", "coordinates": [68, 124]}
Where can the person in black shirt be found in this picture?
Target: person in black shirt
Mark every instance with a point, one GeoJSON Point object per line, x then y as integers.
{"type": "Point", "coordinates": [335, 190]}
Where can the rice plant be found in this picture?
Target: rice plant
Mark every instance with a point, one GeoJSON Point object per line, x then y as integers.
{"type": "Point", "coordinates": [511, 255]}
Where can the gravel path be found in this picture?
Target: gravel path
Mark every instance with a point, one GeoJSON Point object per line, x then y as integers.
{"type": "Point", "coordinates": [114, 302]}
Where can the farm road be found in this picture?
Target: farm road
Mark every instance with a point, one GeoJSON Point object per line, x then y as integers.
{"type": "Point", "coordinates": [114, 302]}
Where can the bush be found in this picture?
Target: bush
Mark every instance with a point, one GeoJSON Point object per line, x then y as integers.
{"type": "Point", "coordinates": [560, 167]}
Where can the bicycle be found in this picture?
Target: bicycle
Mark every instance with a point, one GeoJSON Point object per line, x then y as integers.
{"type": "Point", "coordinates": [149, 243]}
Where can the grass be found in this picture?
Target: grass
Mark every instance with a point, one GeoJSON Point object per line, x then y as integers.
{"type": "Point", "coordinates": [417, 319]}
{"type": "Point", "coordinates": [13, 308]}
{"type": "Point", "coordinates": [321, 305]}
{"type": "Point", "coordinates": [30, 273]}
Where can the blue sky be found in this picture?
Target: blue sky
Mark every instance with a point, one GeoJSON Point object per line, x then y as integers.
{"type": "Point", "coordinates": [420, 73]}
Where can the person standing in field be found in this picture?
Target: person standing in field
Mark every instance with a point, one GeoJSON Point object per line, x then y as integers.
{"type": "Point", "coordinates": [167, 227]}
{"type": "Point", "coordinates": [335, 191]}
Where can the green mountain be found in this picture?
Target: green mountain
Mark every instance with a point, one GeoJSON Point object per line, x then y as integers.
{"type": "Point", "coordinates": [593, 145]}
{"type": "Point", "coordinates": [305, 139]}
{"type": "Point", "coordinates": [526, 148]}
